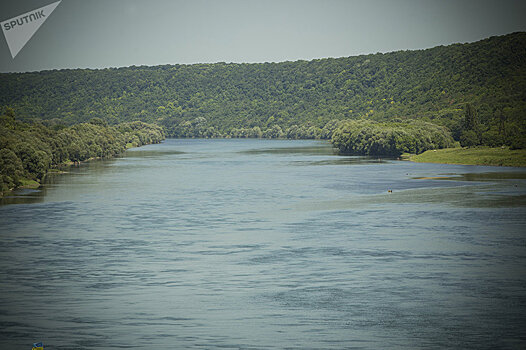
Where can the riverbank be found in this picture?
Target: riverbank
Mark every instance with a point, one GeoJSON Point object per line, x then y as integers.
{"type": "Point", "coordinates": [26, 183]}
{"type": "Point", "coordinates": [472, 156]}
{"type": "Point", "coordinates": [30, 151]}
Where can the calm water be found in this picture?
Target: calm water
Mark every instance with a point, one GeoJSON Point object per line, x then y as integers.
{"type": "Point", "coordinates": [260, 244]}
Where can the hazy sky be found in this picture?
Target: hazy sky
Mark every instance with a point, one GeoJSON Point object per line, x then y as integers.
{"type": "Point", "coordinates": [113, 33]}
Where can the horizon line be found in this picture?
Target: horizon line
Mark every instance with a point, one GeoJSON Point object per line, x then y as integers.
{"type": "Point", "coordinates": [256, 63]}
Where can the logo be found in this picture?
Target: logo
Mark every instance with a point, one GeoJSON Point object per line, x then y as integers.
{"type": "Point", "coordinates": [38, 346]}
{"type": "Point", "coordinates": [18, 30]}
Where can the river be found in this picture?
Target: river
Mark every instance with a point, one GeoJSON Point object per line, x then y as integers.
{"type": "Point", "coordinates": [265, 244]}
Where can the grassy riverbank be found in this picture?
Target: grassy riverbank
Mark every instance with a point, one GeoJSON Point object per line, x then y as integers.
{"type": "Point", "coordinates": [473, 156]}
{"type": "Point", "coordinates": [28, 183]}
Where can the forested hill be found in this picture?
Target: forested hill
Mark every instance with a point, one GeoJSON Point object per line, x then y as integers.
{"type": "Point", "coordinates": [430, 85]}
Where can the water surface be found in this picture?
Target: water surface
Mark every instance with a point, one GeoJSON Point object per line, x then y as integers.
{"type": "Point", "coordinates": [265, 244]}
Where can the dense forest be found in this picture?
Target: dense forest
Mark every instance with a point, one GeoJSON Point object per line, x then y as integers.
{"type": "Point", "coordinates": [29, 151]}
{"type": "Point", "coordinates": [302, 99]}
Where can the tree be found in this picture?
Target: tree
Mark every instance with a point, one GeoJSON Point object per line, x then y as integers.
{"type": "Point", "coordinates": [273, 132]}
{"type": "Point", "coordinates": [11, 169]}
{"type": "Point", "coordinates": [469, 138]}
{"type": "Point", "coordinates": [98, 121]}
{"type": "Point", "coordinates": [470, 135]}
{"type": "Point", "coordinates": [471, 121]}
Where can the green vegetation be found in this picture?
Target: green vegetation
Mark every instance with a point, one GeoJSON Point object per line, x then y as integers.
{"type": "Point", "coordinates": [392, 139]}
{"type": "Point", "coordinates": [474, 156]}
{"type": "Point", "coordinates": [380, 104]}
{"type": "Point", "coordinates": [29, 151]}
{"type": "Point", "coordinates": [29, 183]}
{"type": "Point", "coordinates": [295, 99]}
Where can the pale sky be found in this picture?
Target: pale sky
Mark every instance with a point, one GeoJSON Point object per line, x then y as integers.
{"type": "Point", "coordinates": [115, 33]}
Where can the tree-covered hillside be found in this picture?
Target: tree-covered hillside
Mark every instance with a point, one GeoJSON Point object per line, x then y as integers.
{"type": "Point", "coordinates": [281, 98]}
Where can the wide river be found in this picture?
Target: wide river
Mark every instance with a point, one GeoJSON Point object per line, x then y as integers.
{"type": "Point", "coordinates": [265, 244]}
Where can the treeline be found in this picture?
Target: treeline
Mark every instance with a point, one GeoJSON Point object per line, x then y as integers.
{"type": "Point", "coordinates": [363, 137]}
{"type": "Point", "coordinates": [353, 137]}
{"type": "Point", "coordinates": [29, 151]}
{"type": "Point", "coordinates": [496, 133]}
{"type": "Point", "coordinates": [297, 98]}
{"type": "Point", "coordinates": [199, 128]}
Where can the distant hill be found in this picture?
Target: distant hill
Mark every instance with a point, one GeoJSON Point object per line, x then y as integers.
{"type": "Point", "coordinates": [430, 85]}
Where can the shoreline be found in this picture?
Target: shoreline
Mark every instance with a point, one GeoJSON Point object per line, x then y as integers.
{"type": "Point", "coordinates": [482, 156]}
{"type": "Point", "coordinates": [34, 184]}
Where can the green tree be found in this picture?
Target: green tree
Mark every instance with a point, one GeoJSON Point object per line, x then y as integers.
{"type": "Point", "coordinates": [469, 138]}
{"type": "Point", "coordinates": [12, 169]}
{"type": "Point", "coordinates": [470, 135]}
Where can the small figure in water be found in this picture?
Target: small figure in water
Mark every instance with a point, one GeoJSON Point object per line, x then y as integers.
{"type": "Point", "coordinates": [390, 191]}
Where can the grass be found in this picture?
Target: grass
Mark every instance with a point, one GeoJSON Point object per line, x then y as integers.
{"type": "Point", "coordinates": [26, 183]}
{"type": "Point", "coordinates": [472, 156]}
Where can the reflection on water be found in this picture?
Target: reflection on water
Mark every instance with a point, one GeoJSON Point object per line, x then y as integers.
{"type": "Point", "coordinates": [265, 244]}
{"type": "Point", "coordinates": [288, 149]}
{"type": "Point", "coordinates": [22, 196]}
{"type": "Point", "coordinates": [54, 179]}
{"type": "Point", "coordinates": [141, 153]}
{"type": "Point", "coordinates": [490, 176]}
{"type": "Point", "coordinates": [341, 160]}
